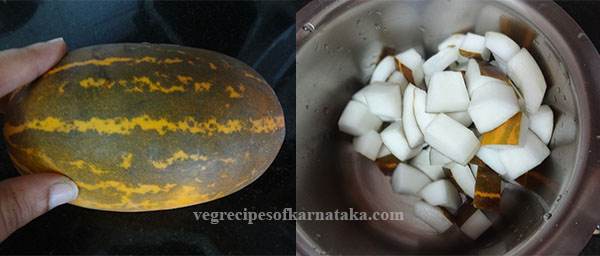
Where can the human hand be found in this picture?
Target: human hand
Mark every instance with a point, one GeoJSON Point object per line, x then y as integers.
{"type": "Point", "coordinates": [24, 198]}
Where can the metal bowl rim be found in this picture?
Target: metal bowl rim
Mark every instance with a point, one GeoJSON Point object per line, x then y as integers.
{"type": "Point", "coordinates": [579, 208]}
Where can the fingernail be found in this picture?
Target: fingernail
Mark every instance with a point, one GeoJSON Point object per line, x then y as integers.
{"type": "Point", "coordinates": [61, 193]}
{"type": "Point", "coordinates": [58, 39]}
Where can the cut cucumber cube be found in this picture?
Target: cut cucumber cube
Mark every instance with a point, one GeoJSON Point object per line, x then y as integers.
{"type": "Point", "coordinates": [452, 139]}
{"type": "Point", "coordinates": [441, 193]}
{"type": "Point", "coordinates": [383, 69]}
{"type": "Point", "coordinates": [462, 117]}
{"type": "Point", "coordinates": [501, 45]}
{"type": "Point", "coordinates": [357, 119]}
{"type": "Point", "coordinates": [385, 100]}
{"type": "Point", "coordinates": [435, 157]}
{"type": "Point", "coordinates": [473, 46]}
{"type": "Point", "coordinates": [439, 61]}
{"type": "Point", "coordinates": [411, 64]}
{"type": "Point", "coordinates": [520, 160]}
{"type": "Point", "coordinates": [408, 180]}
{"type": "Point", "coordinates": [433, 216]}
{"type": "Point", "coordinates": [527, 76]}
{"type": "Point", "coordinates": [398, 78]}
{"type": "Point", "coordinates": [491, 105]}
{"type": "Point", "coordinates": [542, 123]}
{"type": "Point", "coordinates": [421, 162]}
{"type": "Point", "coordinates": [411, 128]}
{"type": "Point", "coordinates": [394, 139]}
{"type": "Point", "coordinates": [420, 103]}
{"type": "Point", "coordinates": [476, 225]}
{"type": "Point", "coordinates": [368, 144]}
{"type": "Point", "coordinates": [447, 93]}
{"type": "Point", "coordinates": [464, 178]}
{"type": "Point", "coordinates": [491, 157]}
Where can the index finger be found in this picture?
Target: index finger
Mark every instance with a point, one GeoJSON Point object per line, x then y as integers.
{"type": "Point", "coordinates": [21, 66]}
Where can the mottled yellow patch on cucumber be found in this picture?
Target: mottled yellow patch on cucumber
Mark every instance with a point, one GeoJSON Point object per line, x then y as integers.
{"type": "Point", "coordinates": [201, 86]}
{"type": "Point", "coordinates": [124, 126]}
{"type": "Point", "coordinates": [187, 195]}
{"type": "Point", "coordinates": [185, 79]}
{"type": "Point", "coordinates": [228, 160]}
{"type": "Point", "coordinates": [155, 86]}
{"type": "Point", "coordinates": [246, 74]}
{"type": "Point", "coordinates": [96, 62]}
{"type": "Point", "coordinates": [171, 61]}
{"type": "Point", "coordinates": [127, 189]}
{"type": "Point", "coordinates": [142, 84]}
{"type": "Point", "coordinates": [178, 156]}
{"type": "Point", "coordinates": [267, 124]}
{"type": "Point", "coordinates": [101, 82]}
{"type": "Point", "coordinates": [146, 59]}
{"type": "Point", "coordinates": [126, 160]}
{"type": "Point", "coordinates": [233, 93]}
{"type": "Point", "coordinates": [110, 61]}
{"type": "Point", "coordinates": [61, 88]}
{"type": "Point", "coordinates": [80, 164]}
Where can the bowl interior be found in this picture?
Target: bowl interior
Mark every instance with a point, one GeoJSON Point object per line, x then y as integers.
{"type": "Point", "coordinates": [335, 60]}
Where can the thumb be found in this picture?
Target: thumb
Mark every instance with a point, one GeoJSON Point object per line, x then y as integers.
{"type": "Point", "coordinates": [24, 198]}
{"type": "Point", "coordinates": [21, 66]}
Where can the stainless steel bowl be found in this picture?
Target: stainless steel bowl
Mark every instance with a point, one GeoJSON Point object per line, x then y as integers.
{"type": "Point", "coordinates": [338, 44]}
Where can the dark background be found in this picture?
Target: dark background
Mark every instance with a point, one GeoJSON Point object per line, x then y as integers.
{"type": "Point", "coordinates": [257, 33]}
{"type": "Point", "coordinates": [587, 14]}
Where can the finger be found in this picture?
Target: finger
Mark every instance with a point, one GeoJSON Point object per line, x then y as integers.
{"type": "Point", "coordinates": [24, 198]}
{"type": "Point", "coordinates": [21, 66]}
